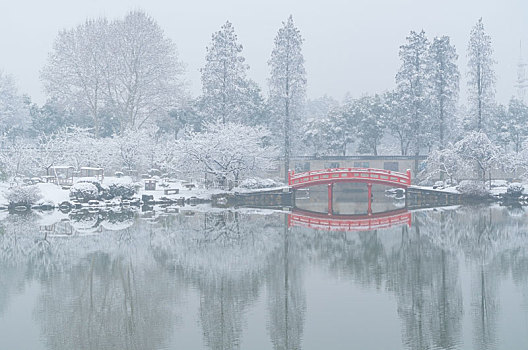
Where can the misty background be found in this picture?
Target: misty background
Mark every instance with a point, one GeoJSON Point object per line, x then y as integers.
{"type": "Point", "coordinates": [350, 46]}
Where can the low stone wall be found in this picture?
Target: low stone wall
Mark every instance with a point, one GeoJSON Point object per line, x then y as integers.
{"type": "Point", "coordinates": [416, 198]}
{"type": "Point", "coordinates": [422, 198]}
{"type": "Point", "coordinates": [268, 199]}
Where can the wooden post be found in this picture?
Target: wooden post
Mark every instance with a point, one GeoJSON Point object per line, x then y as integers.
{"type": "Point", "coordinates": [330, 198]}
{"type": "Point", "coordinates": [369, 188]}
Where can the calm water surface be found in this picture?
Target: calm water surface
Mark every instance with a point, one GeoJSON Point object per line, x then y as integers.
{"type": "Point", "coordinates": [195, 279]}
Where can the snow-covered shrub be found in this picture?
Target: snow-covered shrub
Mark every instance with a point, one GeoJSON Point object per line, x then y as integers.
{"type": "Point", "coordinates": [254, 183]}
{"type": "Point", "coordinates": [473, 188]}
{"type": "Point", "coordinates": [122, 190]}
{"type": "Point", "coordinates": [23, 195]}
{"type": "Point", "coordinates": [84, 191]}
{"type": "Point", "coordinates": [515, 189]}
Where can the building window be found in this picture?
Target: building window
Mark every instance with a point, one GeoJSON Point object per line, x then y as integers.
{"type": "Point", "coordinates": [331, 165]}
{"type": "Point", "coordinates": [302, 166]}
{"type": "Point", "coordinates": [392, 166]}
{"type": "Point", "coordinates": [361, 164]}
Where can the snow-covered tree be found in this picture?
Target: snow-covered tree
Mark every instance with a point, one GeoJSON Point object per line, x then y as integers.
{"type": "Point", "coordinates": [287, 84]}
{"type": "Point", "coordinates": [446, 162]}
{"type": "Point", "coordinates": [315, 137]}
{"type": "Point", "coordinates": [48, 118]}
{"type": "Point", "coordinates": [227, 151]}
{"type": "Point", "coordinates": [224, 82]}
{"type": "Point", "coordinates": [145, 76]}
{"type": "Point", "coordinates": [14, 113]}
{"type": "Point", "coordinates": [481, 76]}
{"type": "Point", "coordinates": [18, 159]}
{"type": "Point", "coordinates": [75, 72]}
{"type": "Point", "coordinates": [77, 147]}
{"type": "Point", "coordinates": [513, 125]}
{"type": "Point", "coordinates": [477, 148]}
{"type": "Point", "coordinates": [444, 80]}
{"type": "Point", "coordinates": [254, 108]}
{"type": "Point", "coordinates": [136, 148]}
{"type": "Point", "coordinates": [127, 67]}
{"type": "Point", "coordinates": [398, 120]}
{"type": "Point", "coordinates": [413, 86]}
{"type": "Point", "coordinates": [366, 116]}
{"type": "Point", "coordinates": [328, 135]}
{"type": "Point", "coordinates": [497, 126]}
{"type": "Point", "coordinates": [319, 107]}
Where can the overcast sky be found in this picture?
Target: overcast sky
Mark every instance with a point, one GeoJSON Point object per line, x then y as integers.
{"type": "Point", "coordinates": [350, 46]}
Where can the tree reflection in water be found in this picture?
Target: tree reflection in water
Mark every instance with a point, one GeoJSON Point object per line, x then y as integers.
{"type": "Point", "coordinates": [122, 286]}
{"type": "Point", "coordinates": [286, 297]}
{"type": "Point", "coordinates": [225, 257]}
{"type": "Point", "coordinates": [97, 292]}
{"type": "Point", "coordinates": [105, 301]}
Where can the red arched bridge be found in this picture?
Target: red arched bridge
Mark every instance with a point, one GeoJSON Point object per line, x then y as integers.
{"type": "Point", "coordinates": [365, 175]}
{"type": "Point", "coordinates": [323, 221]}
{"type": "Point", "coordinates": [329, 177]}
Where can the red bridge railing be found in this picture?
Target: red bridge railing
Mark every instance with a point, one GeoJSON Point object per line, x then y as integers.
{"type": "Point", "coordinates": [367, 175]}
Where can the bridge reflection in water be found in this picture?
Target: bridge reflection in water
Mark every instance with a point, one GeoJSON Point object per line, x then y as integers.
{"type": "Point", "coordinates": [376, 221]}
{"type": "Point", "coordinates": [349, 207]}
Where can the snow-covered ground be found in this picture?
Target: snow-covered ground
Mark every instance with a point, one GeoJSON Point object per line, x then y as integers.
{"type": "Point", "coordinates": [183, 191]}
{"type": "Point", "coordinates": [54, 195]}
{"type": "Point", "coordinates": [498, 187]}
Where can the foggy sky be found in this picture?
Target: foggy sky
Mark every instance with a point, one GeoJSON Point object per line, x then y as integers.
{"type": "Point", "coordinates": [350, 46]}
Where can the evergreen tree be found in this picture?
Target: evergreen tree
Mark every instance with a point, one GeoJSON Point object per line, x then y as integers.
{"type": "Point", "coordinates": [367, 114]}
{"type": "Point", "coordinates": [14, 109]}
{"type": "Point", "coordinates": [224, 82]}
{"type": "Point", "coordinates": [398, 120]}
{"type": "Point", "coordinates": [318, 124]}
{"type": "Point", "coordinates": [481, 76]}
{"type": "Point", "coordinates": [254, 108]}
{"type": "Point", "coordinates": [287, 83]}
{"type": "Point", "coordinates": [413, 86]}
{"type": "Point", "coordinates": [499, 126]}
{"type": "Point", "coordinates": [444, 81]}
{"type": "Point", "coordinates": [512, 125]}
{"type": "Point", "coordinates": [49, 118]}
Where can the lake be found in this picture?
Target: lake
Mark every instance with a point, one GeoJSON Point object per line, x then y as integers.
{"type": "Point", "coordinates": [206, 278]}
